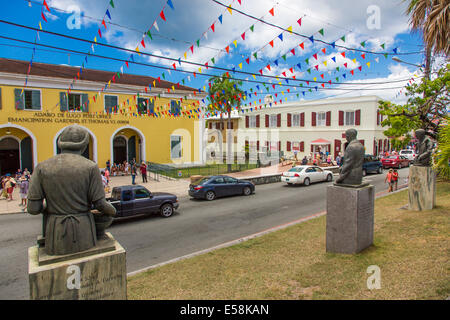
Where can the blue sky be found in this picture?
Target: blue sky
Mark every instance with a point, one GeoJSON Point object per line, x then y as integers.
{"type": "Point", "coordinates": [190, 21]}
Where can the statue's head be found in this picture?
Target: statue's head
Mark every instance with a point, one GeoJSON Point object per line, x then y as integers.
{"type": "Point", "coordinates": [73, 139]}
{"type": "Point", "coordinates": [350, 135]}
{"type": "Point", "coordinates": [420, 134]}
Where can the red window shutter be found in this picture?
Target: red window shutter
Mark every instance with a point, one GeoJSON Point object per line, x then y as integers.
{"type": "Point", "coordinates": [257, 121]}
{"type": "Point", "coordinates": [267, 120]}
{"type": "Point", "coordinates": [279, 120]}
{"type": "Point", "coordinates": [358, 117]}
{"type": "Point", "coordinates": [210, 125]}
{"type": "Point", "coordinates": [288, 146]}
{"type": "Point", "coordinates": [302, 146]}
{"type": "Point", "coordinates": [328, 118]}
{"type": "Point", "coordinates": [257, 145]}
{"type": "Point", "coordinates": [247, 122]}
{"type": "Point", "coordinates": [311, 148]}
{"type": "Point", "coordinates": [289, 120]}
{"type": "Point", "coordinates": [279, 145]}
{"type": "Point", "coordinates": [302, 119]}
{"type": "Point", "coordinates": [313, 119]}
{"type": "Point", "coordinates": [267, 145]}
{"type": "Point", "coordinates": [341, 118]}
{"type": "Point", "coordinates": [378, 117]}
{"type": "Point", "coordinates": [362, 142]}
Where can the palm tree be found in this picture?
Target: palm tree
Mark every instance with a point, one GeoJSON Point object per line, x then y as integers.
{"type": "Point", "coordinates": [225, 94]}
{"type": "Point", "coordinates": [432, 18]}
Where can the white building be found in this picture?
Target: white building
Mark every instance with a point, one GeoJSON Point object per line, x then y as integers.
{"type": "Point", "coordinates": [310, 126]}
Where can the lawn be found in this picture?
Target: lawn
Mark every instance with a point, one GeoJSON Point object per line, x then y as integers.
{"type": "Point", "coordinates": [410, 248]}
{"type": "Point", "coordinates": [209, 170]}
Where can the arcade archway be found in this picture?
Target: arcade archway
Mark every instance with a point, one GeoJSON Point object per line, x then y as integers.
{"type": "Point", "coordinates": [16, 150]}
{"type": "Point", "coordinates": [127, 143]}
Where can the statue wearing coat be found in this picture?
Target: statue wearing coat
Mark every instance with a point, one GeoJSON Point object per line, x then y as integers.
{"type": "Point", "coordinates": [351, 171]}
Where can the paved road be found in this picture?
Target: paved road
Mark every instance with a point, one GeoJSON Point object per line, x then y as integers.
{"type": "Point", "coordinates": [198, 225]}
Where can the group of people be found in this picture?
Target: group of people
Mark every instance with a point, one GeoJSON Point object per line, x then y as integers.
{"type": "Point", "coordinates": [319, 158]}
{"type": "Point", "coordinates": [126, 168]}
{"type": "Point", "coordinates": [19, 180]}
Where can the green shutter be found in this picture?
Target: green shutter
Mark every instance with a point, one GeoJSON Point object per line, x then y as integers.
{"type": "Point", "coordinates": [85, 102]}
{"type": "Point", "coordinates": [19, 103]}
{"type": "Point", "coordinates": [63, 103]}
{"type": "Point", "coordinates": [35, 100]}
{"type": "Point", "coordinates": [151, 105]}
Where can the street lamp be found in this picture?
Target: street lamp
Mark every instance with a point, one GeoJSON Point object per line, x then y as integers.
{"type": "Point", "coordinates": [401, 61]}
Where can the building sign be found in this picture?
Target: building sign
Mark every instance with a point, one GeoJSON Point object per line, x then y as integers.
{"type": "Point", "coordinates": [296, 146]}
{"type": "Point", "coordinates": [68, 118]}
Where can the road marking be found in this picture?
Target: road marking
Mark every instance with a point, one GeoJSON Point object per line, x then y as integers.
{"type": "Point", "coordinates": [255, 235]}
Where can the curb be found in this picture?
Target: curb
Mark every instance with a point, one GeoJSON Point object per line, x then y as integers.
{"type": "Point", "coordinates": [252, 236]}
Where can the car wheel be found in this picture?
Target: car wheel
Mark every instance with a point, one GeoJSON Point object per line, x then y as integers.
{"type": "Point", "coordinates": [166, 210]}
{"type": "Point", "coordinates": [306, 182]}
{"type": "Point", "coordinates": [289, 184]}
{"type": "Point", "coordinates": [210, 196]}
{"type": "Point", "coordinates": [247, 191]}
{"type": "Point", "coordinates": [329, 177]}
{"type": "Point", "coordinates": [364, 172]}
{"type": "Point", "coordinates": [380, 170]}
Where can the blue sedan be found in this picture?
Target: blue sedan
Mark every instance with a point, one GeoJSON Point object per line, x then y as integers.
{"type": "Point", "coordinates": [210, 188]}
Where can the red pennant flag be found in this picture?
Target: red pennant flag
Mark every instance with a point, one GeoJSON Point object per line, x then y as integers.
{"type": "Point", "coordinates": [315, 56]}
{"type": "Point", "coordinates": [174, 66]}
{"type": "Point", "coordinates": [103, 23]}
{"type": "Point", "coordinates": [302, 45]}
{"type": "Point", "coordinates": [145, 89]}
{"type": "Point", "coordinates": [323, 85]}
{"type": "Point", "coordinates": [227, 49]}
{"type": "Point", "coordinates": [268, 67]}
{"type": "Point", "coordinates": [260, 71]}
{"type": "Point", "coordinates": [345, 64]}
{"type": "Point", "coordinates": [243, 36]}
{"type": "Point", "coordinates": [159, 79]}
{"type": "Point", "coordinates": [363, 55]}
{"type": "Point", "coordinates": [352, 72]}
{"type": "Point", "coordinates": [321, 75]}
{"type": "Point", "coordinates": [162, 15]}
{"type": "Point", "coordinates": [307, 82]}
{"type": "Point", "coordinates": [239, 1]}
{"type": "Point", "coordinates": [292, 70]}
{"type": "Point", "coordinates": [300, 21]}
{"type": "Point", "coordinates": [343, 54]}
{"type": "Point", "coordinates": [99, 33]}
{"type": "Point", "coordinates": [317, 67]}
{"type": "Point", "coordinates": [195, 75]}
{"type": "Point", "coordinates": [126, 62]}
{"type": "Point", "coordinates": [43, 16]}
{"type": "Point", "coordinates": [206, 65]}
{"type": "Point", "coordinates": [46, 6]}
{"type": "Point", "coordinates": [293, 77]}
{"type": "Point", "coordinates": [272, 12]}
{"type": "Point", "coordinates": [360, 68]}
{"type": "Point", "coordinates": [273, 86]}
{"type": "Point", "coordinates": [324, 50]}
{"type": "Point", "coordinates": [271, 43]}
{"type": "Point", "coordinates": [212, 27]}
{"type": "Point", "coordinates": [228, 75]}
{"type": "Point", "coordinates": [293, 51]}
{"type": "Point", "coordinates": [276, 95]}
{"type": "Point", "coordinates": [192, 49]}
{"type": "Point", "coordinates": [143, 43]}
{"type": "Point", "coordinates": [247, 60]}
{"type": "Point", "coordinates": [329, 81]}
{"type": "Point", "coordinates": [289, 90]}
{"type": "Point", "coordinates": [284, 74]}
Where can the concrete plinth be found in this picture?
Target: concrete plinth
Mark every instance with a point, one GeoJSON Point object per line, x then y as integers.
{"type": "Point", "coordinates": [95, 274]}
{"type": "Point", "coordinates": [350, 214]}
{"type": "Point", "coordinates": [422, 188]}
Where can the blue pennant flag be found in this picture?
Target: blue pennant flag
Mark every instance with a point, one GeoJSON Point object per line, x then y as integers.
{"type": "Point", "coordinates": [312, 39]}
{"type": "Point", "coordinates": [170, 4]}
{"type": "Point", "coordinates": [344, 75]}
{"type": "Point", "coordinates": [299, 66]}
{"type": "Point", "coordinates": [333, 45]}
{"type": "Point", "coordinates": [303, 92]}
{"type": "Point", "coordinates": [334, 59]}
{"type": "Point", "coordinates": [276, 62]}
{"type": "Point", "coordinates": [281, 36]}
{"type": "Point", "coordinates": [257, 87]}
{"type": "Point", "coordinates": [220, 19]}
{"type": "Point", "coordinates": [107, 13]}
{"type": "Point", "coordinates": [132, 58]}
{"type": "Point", "coordinates": [395, 50]}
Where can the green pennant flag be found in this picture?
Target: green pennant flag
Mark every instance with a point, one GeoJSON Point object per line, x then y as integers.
{"type": "Point", "coordinates": [163, 75]}
{"type": "Point", "coordinates": [198, 43]}
{"type": "Point", "coordinates": [382, 46]}
{"type": "Point", "coordinates": [159, 95]}
{"type": "Point", "coordinates": [307, 60]}
{"type": "Point", "coordinates": [309, 70]}
{"type": "Point", "coordinates": [337, 68]}
{"type": "Point", "coordinates": [337, 79]}
{"type": "Point", "coordinates": [284, 57]}
{"type": "Point", "coordinates": [149, 34]}
{"type": "Point", "coordinates": [213, 60]}
{"type": "Point", "coordinates": [386, 55]}
{"type": "Point", "coordinates": [111, 3]}
{"type": "Point", "coordinates": [118, 75]}
{"type": "Point", "coordinates": [310, 90]}
{"type": "Point", "coordinates": [252, 28]}
{"type": "Point", "coordinates": [321, 31]}
{"type": "Point", "coordinates": [255, 55]}
{"type": "Point", "coordinates": [182, 81]}
{"type": "Point", "coordinates": [343, 38]}
{"type": "Point", "coordinates": [297, 95]}
{"type": "Point", "coordinates": [301, 84]}
{"type": "Point", "coordinates": [363, 44]}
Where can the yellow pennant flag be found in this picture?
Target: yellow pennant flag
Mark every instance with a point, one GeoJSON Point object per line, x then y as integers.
{"type": "Point", "coordinates": [185, 57]}
{"type": "Point", "coordinates": [229, 10]}
{"type": "Point", "coordinates": [282, 92]}
{"type": "Point", "coordinates": [200, 70]}
{"type": "Point", "coordinates": [154, 83]}
{"type": "Point", "coordinates": [137, 49]}
{"type": "Point", "coordinates": [240, 65]}
{"type": "Point", "coordinates": [315, 79]}
{"type": "Point", "coordinates": [109, 83]}
{"type": "Point", "coordinates": [325, 63]}
{"type": "Point", "coordinates": [40, 25]}
{"type": "Point", "coordinates": [254, 77]}
{"type": "Point", "coordinates": [173, 88]}
{"type": "Point", "coordinates": [289, 29]}
{"type": "Point", "coordinates": [95, 39]}
{"type": "Point", "coordinates": [354, 60]}
{"type": "Point", "coordinates": [368, 64]}
{"type": "Point", "coordinates": [235, 43]}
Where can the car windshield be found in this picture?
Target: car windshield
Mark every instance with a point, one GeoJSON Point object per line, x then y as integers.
{"type": "Point", "coordinates": [296, 170]}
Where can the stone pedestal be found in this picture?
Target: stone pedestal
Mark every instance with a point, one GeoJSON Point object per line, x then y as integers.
{"type": "Point", "coordinates": [95, 274]}
{"type": "Point", "coordinates": [350, 214]}
{"type": "Point", "coordinates": [422, 188]}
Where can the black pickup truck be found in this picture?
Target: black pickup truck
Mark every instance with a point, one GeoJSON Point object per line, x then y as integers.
{"type": "Point", "coordinates": [134, 200]}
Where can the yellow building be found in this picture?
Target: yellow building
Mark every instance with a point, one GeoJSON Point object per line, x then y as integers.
{"type": "Point", "coordinates": [126, 119]}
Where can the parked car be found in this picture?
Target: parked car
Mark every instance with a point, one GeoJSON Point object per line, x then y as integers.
{"type": "Point", "coordinates": [213, 187]}
{"type": "Point", "coordinates": [133, 200]}
{"type": "Point", "coordinates": [395, 161]}
{"type": "Point", "coordinates": [372, 164]}
{"type": "Point", "coordinates": [306, 175]}
{"type": "Point", "coordinates": [409, 154]}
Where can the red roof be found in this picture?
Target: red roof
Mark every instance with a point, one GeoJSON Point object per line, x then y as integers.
{"type": "Point", "coordinates": [320, 142]}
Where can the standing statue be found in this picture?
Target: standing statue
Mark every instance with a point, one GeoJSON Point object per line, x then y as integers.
{"type": "Point", "coordinates": [70, 184]}
{"type": "Point", "coordinates": [424, 149]}
{"type": "Point", "coordinates": [351, 170]}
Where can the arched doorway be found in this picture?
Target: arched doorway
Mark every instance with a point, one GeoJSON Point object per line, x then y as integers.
{"type": "Point", "coordinates": [120, 149]}
{"type": "Point", "coordinates": [127, 143]}
{"type": "Point", "coordinates": [9, 155]}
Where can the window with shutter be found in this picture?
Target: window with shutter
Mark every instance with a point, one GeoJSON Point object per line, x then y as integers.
{"type": "Point", "coordinates": [247, 121]}
{"type": "Point", "coordinates": [358, 117]}
{"type": "Point", "coordinates": [313, 119]}
{"type": "Point", "coordinates": [19, 103]}
{"type": "Point", "coordinates": [341, 118]}
{"type": "Point", "coordinates": [257, 121]}
{"type": "Point", "coordinates": [279, 120]}
{"type": "Point", "coordinates": [111, 103]}
{"type": "Point", "coordinates": [29, 100]}
{"type": "Point", "coordinates": [175, 107]}
{"type": "Point", "coordinates": [321, 119]}
{"type": "Point", "coordinates": [349, 118]}
{"type": "Point", "coordinates": [302, 146]}
{"type": "Point", "coordinates": [328, 119]}
{"type": "Point", "coordinates": [302, 119]}
{"type": "Point", "coordinates": [288, 146]}
{"type": "Point", "coordinates": [289, 120]}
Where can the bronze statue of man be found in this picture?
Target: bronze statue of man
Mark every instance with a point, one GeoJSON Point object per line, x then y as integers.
{"type": "Point", "coordinates": [70, 184]}
{"type": "Point", "coordinates": [424, 149]}
{"type": "Point", "coordinates": [351, 170]}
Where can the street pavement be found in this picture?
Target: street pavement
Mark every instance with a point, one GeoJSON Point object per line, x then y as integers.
{"type": "Point", "coordinates": [197, 225]}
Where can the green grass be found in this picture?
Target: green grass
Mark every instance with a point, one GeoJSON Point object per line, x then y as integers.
{"type": "Point", "coordinates": [208, 170]}
{"type": "Point", "coordinates": [411, 249]}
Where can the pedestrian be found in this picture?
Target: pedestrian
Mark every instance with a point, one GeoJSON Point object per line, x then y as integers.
{"type": "Point", "coordinates": [23, 190]}
{"type": "Point", "coordinates": [126, 167]}
{"type": "Point", "coordinates": [338, 160]}
{"type": "Point", "coordinates": [143, 169]}
{"type": "Point", "coordinates": [108, 165]}
{"type": "Point", "coordinates": [395, 179]}
{"type": "Point", "coordinates": [133, 174]}
{"type": "Point", "coordinates": [9, 185]}
{"type": "Point", "coordinates": [389, 179]}
{"type": "Point", "coordinates": [104, 181]}
{"type": "Point", "coordinates": [305, 161]}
